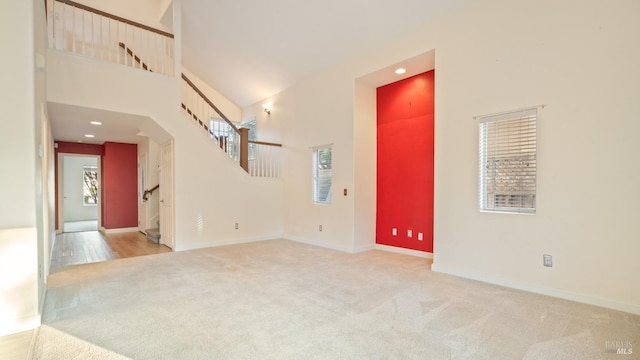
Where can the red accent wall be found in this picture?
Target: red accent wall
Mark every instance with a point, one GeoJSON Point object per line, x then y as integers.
{"type": "Point", "coordinates": [78, 148]}
{"type": "Point", "coordinates": [405, 125]}
{"type": "Point", "coordinates": [119, 186]}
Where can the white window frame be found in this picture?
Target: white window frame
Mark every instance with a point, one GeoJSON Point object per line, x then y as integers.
{"type": "Point", "coordinates": [322, 174]}
{"type": "Point", "coordinates": [508, 162]}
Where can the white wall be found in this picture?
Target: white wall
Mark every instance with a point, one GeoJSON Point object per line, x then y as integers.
{"type": "Point", "coordinates": [44, 160]}
{"type": "Point", "coordinates": [74, 208]}
{"type": "Point", "coordinates": [212, 193]}
{"type": "Point", "coordinates": [313, 113]}
{"type": "Point", "coordinates": [364, 171]}
{"type": "Point", "coordinates": [17, 149]}
{"type": "Point", "coordinates": [581, 60]}
{"type": "Point", "coordinates": [22, 230]}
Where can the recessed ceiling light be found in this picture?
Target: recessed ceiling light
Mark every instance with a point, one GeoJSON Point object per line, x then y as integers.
{"type": "Point", "coordinates": [96, 123]}
{"type": "Point", "coordinates": [89, 136]}
{"type": "Point", "coordinates": [401, 71]}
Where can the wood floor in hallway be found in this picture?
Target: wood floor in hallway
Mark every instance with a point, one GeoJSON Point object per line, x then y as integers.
{"type": "Point", "coordinates": [93, 246]}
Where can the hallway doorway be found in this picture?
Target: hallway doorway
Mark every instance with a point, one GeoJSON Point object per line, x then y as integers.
{"type": "Point", "coordinates": [79, 186]}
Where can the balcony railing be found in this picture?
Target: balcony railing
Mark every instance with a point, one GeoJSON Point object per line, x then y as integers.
{"type": "Point", "coordinates": [264, 159]}
{"type": "Point", "coordinates": [90, 32]}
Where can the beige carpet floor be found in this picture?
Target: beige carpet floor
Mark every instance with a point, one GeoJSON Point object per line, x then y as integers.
{"type": "Point", "coordinates": [285, 300]}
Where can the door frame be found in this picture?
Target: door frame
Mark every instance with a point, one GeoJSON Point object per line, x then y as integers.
{"type": "Point", "coordinates": [60, 189]}
{"type": "Point", "coordinates": [143, 206]}
{"type": "Point", "coordinates": [167, 195]}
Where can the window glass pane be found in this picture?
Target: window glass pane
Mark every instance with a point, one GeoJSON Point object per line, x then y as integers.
{"type": "Point", "coordinates": [252, 126]}
{"type": "Point", "coordinates": [508, 162]}
{"type": "Point", "coordinates": [224, 134]}
{"type": "Point", "coordinates": [322, 175]}
{"type": "Point", "coordinates": [90, 186]}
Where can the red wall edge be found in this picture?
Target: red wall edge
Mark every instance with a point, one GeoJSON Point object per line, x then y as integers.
{"type": "Point", "coordinates": [405, 125]}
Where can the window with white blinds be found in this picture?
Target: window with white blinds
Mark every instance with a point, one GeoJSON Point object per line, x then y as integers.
{"type": "Point", "coordinates": [508, 162]}
{"type": "Point", "coordinates": [322, 175]}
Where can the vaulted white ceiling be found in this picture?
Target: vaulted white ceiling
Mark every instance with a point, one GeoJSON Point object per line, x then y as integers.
{"type": "Point", "coordinates": [249, 50]}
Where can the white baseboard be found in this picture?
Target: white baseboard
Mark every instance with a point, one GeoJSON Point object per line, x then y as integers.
{"type": "Point", "coordinates": [118, 231]}
{"type": "Point", "coordinates": [319, 244]}
{"type": "Point", "coordinates": [543, 290]}
{"type": "Point", "coordinates": [364, 248]}
{"type": "Point", "coordinates": [398, 250]}
{"type": "Point", "coordinates": [19, 325]}
{"type": "Point", "coordinates": [188, 247]}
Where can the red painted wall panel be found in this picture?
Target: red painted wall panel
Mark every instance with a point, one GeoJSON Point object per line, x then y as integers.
{"type": "Point", "coordinates": [405, 125]}
{"type": "Point", "coordinates": [119, 196]}
{"type": "Point", "coordinates": [78, 148]}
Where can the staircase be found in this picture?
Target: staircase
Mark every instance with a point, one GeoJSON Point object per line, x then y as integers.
{"type": "Point", "coordinates": [153, 235]}
{"type": "Point", "coordinates": [89, 32]}
{"type": "Point", "coordinates": [91, 70]}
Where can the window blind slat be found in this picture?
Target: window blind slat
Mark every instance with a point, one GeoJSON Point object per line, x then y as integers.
{"type": "Point", "coordinates": [508, 161]}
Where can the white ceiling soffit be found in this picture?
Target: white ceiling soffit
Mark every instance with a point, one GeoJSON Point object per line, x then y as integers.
{"type": "Point", "coordinates": [71, 123]}
{"type": "Point", "coordinates": [250, 50]}
{"type": "Point", "coordinates": [414, 66]}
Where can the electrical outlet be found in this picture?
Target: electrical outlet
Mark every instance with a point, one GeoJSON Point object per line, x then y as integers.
{"type": "Point", "coordinates": [394, 232]}
{"type": "Point", "coordinates": [236, 226]}
{"type": "Point", "coordinates": [547, 260]}
{"type": "Point", "coordinates": [320, 228]}
{"type": "Point", "coordinates": [409, 233]}
{"type": "Point", "coordinates": [420, 236]}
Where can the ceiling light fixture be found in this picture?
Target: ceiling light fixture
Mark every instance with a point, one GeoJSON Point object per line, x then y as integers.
{"type": "Point", "coordinates": [401, 71]}
{"type": "Point", "coordinates": [96, 123]}
{"type": "Point", "coordinates": [267, 108]}
{"type": "Point", "coordinates": [89, 136]}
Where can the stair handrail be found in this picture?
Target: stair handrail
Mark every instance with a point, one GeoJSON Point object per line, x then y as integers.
{"type": "Point", "coordinates": [134, 56]}
{"type": "Point", "coordinates": [115, 17]}
{"type": "Point", "coordinates": [146, 194]}
{"type": "Point", "coordinates": [264, 143]}
{"type": "Point", "coordinates": [210, 103]}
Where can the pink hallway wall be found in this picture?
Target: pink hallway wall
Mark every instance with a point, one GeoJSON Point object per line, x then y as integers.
{"type": "Point", "coordinates": [405, 111]}
{"type": "Point", "coordinates": [119, 190]}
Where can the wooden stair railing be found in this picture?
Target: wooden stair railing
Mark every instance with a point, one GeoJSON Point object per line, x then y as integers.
{"type": "Point", "coordinates": [242, 132]}
{"type": "Point", "coordinates": [134, 56]}
{"type": "Point", "coordinates": [206, 99]}
{"type": "Point", "coordinates": [113, 17]}
{"type": "Point", "coordinates": [147, 193]}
